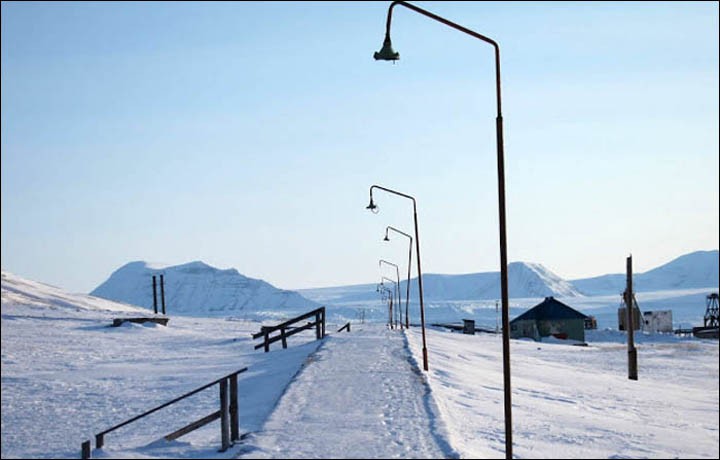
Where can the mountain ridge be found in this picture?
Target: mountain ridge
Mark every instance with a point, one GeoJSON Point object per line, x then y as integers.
{"type": "Point", "coordinates": [196, 288]}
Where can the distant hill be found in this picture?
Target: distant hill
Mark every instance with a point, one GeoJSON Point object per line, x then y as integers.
{"type": "Point", "coordinates": [695, 270]}
{"type": "Point", "coordinates": [197, 289]}
{"type": "Point", "coordinates": [20, 291]}
{"type": "Point", "coordinates": [524, 279]}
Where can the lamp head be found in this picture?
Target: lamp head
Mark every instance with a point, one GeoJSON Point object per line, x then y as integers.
{"type": "Point", "coordinates": [373, 207]}
{"type": "Point", "coordinates": [386, 237]}
{"type": "Point", "coordinates": [386, 53]}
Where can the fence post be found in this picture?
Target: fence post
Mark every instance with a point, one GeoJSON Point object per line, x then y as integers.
{"type": "Point", "coordinates": [282, 336]}
{"type": "Point", "coordinates": [86, 450]}
{"type": "Point", "coordinates": [224, 412]}
{"type": "Point", "coordinates": [267, 342]}
{"type": "Point", "coordinates": [99, 441]}
{"type": "Point", "coordinates": [317, 326]}
{"type": "Point", "coordinates": [323, 322]}
{"type": "Point", "coordinates": [234, 415]}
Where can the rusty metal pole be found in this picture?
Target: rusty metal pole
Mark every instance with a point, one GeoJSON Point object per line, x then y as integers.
{"type": "Point", "coordinates": [630, 312]}
{"type": "Point", "coordinates": [407, 292]}
{"type": "Point", "coordinates": [387, 53]}
{"type": "Point", "coordinates": [373, 207]}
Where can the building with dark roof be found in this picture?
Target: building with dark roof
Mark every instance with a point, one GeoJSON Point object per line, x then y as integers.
{"type": "Point", "coordinates": [550, 318]}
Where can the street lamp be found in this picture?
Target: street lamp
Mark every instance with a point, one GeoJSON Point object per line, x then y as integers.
{"type": "Point", "coordinates": [393, 294]}
{"type": "Point", "coordinates": [407, 293]}
{"type": "Point", "coordinates": [388, 54]}
{"type": "Point", "coordinates": [383, 290]}
{"type": "Point", "coordinates": [374, 208]}
{"type": "Point", "coordinates": [397, 271]}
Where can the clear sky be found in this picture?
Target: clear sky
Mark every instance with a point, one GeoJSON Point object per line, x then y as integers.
{"type": "Point", "coordinates": [247, 135]}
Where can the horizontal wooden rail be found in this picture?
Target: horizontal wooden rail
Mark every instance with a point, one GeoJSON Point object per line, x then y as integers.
{"type": "Point", "coordinates": [228, 413]}
{"type": "Point", "coordinates": [287, 329]}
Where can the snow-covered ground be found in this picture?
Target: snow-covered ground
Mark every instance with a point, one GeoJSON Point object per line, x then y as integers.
{"type": "Point", "coordinates": [66, 375]}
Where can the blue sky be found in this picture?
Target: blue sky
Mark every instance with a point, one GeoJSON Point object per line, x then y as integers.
{"type": "Point", "coordinates": [247, 135]}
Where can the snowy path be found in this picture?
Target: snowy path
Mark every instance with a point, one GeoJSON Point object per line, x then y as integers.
{"type": "Point", "coordinates": [361, 396]}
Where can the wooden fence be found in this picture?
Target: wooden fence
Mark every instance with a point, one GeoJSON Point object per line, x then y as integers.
{"type": "Point", "coordinates": [228, 415]}
{"type": "Point", "coordinates": [286, 329]}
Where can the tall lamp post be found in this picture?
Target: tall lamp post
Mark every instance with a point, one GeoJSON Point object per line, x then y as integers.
{"type": "Point", "coordinates": [374, 208]}
{"type": "Point", "coordinates": [383, 290]}
{"type": "Point", "coordinates": [393, 294]}
{"type": "Point", "coordinates": [397, 271]}
{"type": "Point", "coordinates": [407, 293]}
{"type": "Point", "coordinates": [388, 54]}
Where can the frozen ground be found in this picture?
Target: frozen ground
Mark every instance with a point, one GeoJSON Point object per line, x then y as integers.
{"type": "Point", "coordinates": [66, 375]}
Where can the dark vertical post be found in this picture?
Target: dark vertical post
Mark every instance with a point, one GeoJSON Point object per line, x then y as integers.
{"type": "Point", "coordinates": [267, 340]}
{"type": "Point", "coordinates": [85, 452]}
{"type": "Point", "coordinates": [234, 415]}
{"type": "Point", "coordinates": [224, 415]}
{"type": "Point", "coordinates": [323, 322]}
{"type": "Point", "coordinates": [162, 292]}
{"type": "Point", "coordinates": [99, 441]}
{"type": "Point", "coordinates": [422, 304]}
{"type": "Point", "coordinates": [629, 307]}
{"type": "Point", "coordinates": [154, 295]}
{"type": "Point", "coordinates": [407, 291]}
{"type": "Point", "coordinates": [283, 338]}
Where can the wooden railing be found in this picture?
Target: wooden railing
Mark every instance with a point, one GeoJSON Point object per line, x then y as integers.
{"type": "Point", "coordinates": [346, 326]}
{"type": "Point", "coordinates": [286, 329]}
{"type": "Point", "coordinates": [228, 415]}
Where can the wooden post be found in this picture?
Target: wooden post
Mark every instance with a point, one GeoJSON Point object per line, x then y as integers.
{"type": "Point", "coordinates": [85, 452]}
{"type": "Point", "coordinates": [234, 414]}
{"type": "Point", "coordinates": [224, 415]}
{"type": "Point", "coordinates": [99, 441]}
{"type": "Point", "coordinates": [267, 340]}
{"type": "Point", "coordinates": [283, 338]}
{"type": "Point", "coordinates": [162, 292]}
{"type": "Point", "coordinates": [154, 295]}
{"type": "Point", "coordinates": [317, 326]}
{"type": "Point", "coordinates": [629, 307]}
{"type": "Point", "coordinates": [323, 322]}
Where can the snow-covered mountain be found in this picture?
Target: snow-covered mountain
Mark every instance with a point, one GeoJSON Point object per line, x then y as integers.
{"type": "Point", "coordinates": [694, 270]}
{"type": "Point", "coordinates": [197, 289]}
{"type": "Point", "coordinates": [44, 297]}
{"type": "Point", "coordinates": [524, 280]}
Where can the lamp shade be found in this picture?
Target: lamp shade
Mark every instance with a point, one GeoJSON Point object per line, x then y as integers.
{"type": "Point", "coordinates": [386, 53]}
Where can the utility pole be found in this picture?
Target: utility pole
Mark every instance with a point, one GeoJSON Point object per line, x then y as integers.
{"type": "Point", "coordinates": [630, 312]}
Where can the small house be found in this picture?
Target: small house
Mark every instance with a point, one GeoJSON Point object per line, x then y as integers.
{"type": "Point", "coordinates": [550, 318]}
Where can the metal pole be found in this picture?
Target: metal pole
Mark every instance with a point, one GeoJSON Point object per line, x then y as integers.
{"type": "Point", "coordinates": [397, 285]}
{"type": "Point", "coordinates": [629, 307]}
{"type": "Point", "coordinates": [422, 304]}
{"type": "Point", "coordinates": [154, 295]}
{"type": "Point", "coordinates": [417, 251]}
{"type": "Point", "coordinates": [501, 211]}
{"type": "Point", "coordinates": [407, 291]}
{"type": "Point", "coordinates": [162, 292]}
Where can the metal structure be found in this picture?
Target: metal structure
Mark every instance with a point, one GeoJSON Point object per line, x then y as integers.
{"type": "Point", "coordinates": [388, 54]}
{"type": "Point", "coordinates": [397, 272]}
{"type": "Point", "coordinates": [711, 311]}
{"type": "Point", "coordinates": [407, 293]}
{"type": "Point", "coordinates": [374, 208]}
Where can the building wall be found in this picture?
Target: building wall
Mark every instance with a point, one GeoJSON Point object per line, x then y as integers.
{"type": "Point", "coordinates": [526, 328]}
{"type": "Point", "coordinates": [573, 328]}
{"type": "Point", "coordinates": [657, 321]}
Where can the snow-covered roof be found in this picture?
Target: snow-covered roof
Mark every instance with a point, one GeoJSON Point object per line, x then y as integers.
{"type": "Point", "coordinates": [550, 308]}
